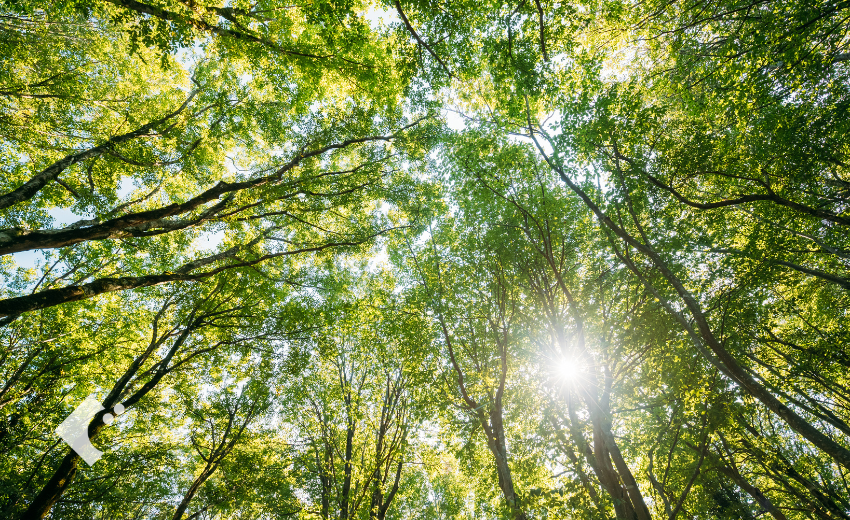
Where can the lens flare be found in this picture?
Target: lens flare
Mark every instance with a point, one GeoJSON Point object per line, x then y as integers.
{"type": "Point", "coordinates": [569, 369]}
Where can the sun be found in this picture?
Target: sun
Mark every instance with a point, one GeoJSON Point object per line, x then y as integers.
{"type": "Point", "coordinates": [569, 370]}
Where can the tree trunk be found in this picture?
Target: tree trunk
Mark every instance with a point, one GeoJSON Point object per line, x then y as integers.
{"type": "Point", "coordinates": [716, 353]}
{"type": "Point", "coordinates": [52, 491]}
{"type": "Point", "coordinates": [349, 447]}
{"type": "Point", "coordinates": [753, 491]}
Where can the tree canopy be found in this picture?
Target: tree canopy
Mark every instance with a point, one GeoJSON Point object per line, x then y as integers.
{"type": "Point", "coordinates": [426, 260]}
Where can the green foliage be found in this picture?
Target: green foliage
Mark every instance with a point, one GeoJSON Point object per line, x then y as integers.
{"type": "Point", "coordinates": [426, 260]}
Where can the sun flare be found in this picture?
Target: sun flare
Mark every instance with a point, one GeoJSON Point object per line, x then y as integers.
{"type": "Point", "coordinates": [569, 369]}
